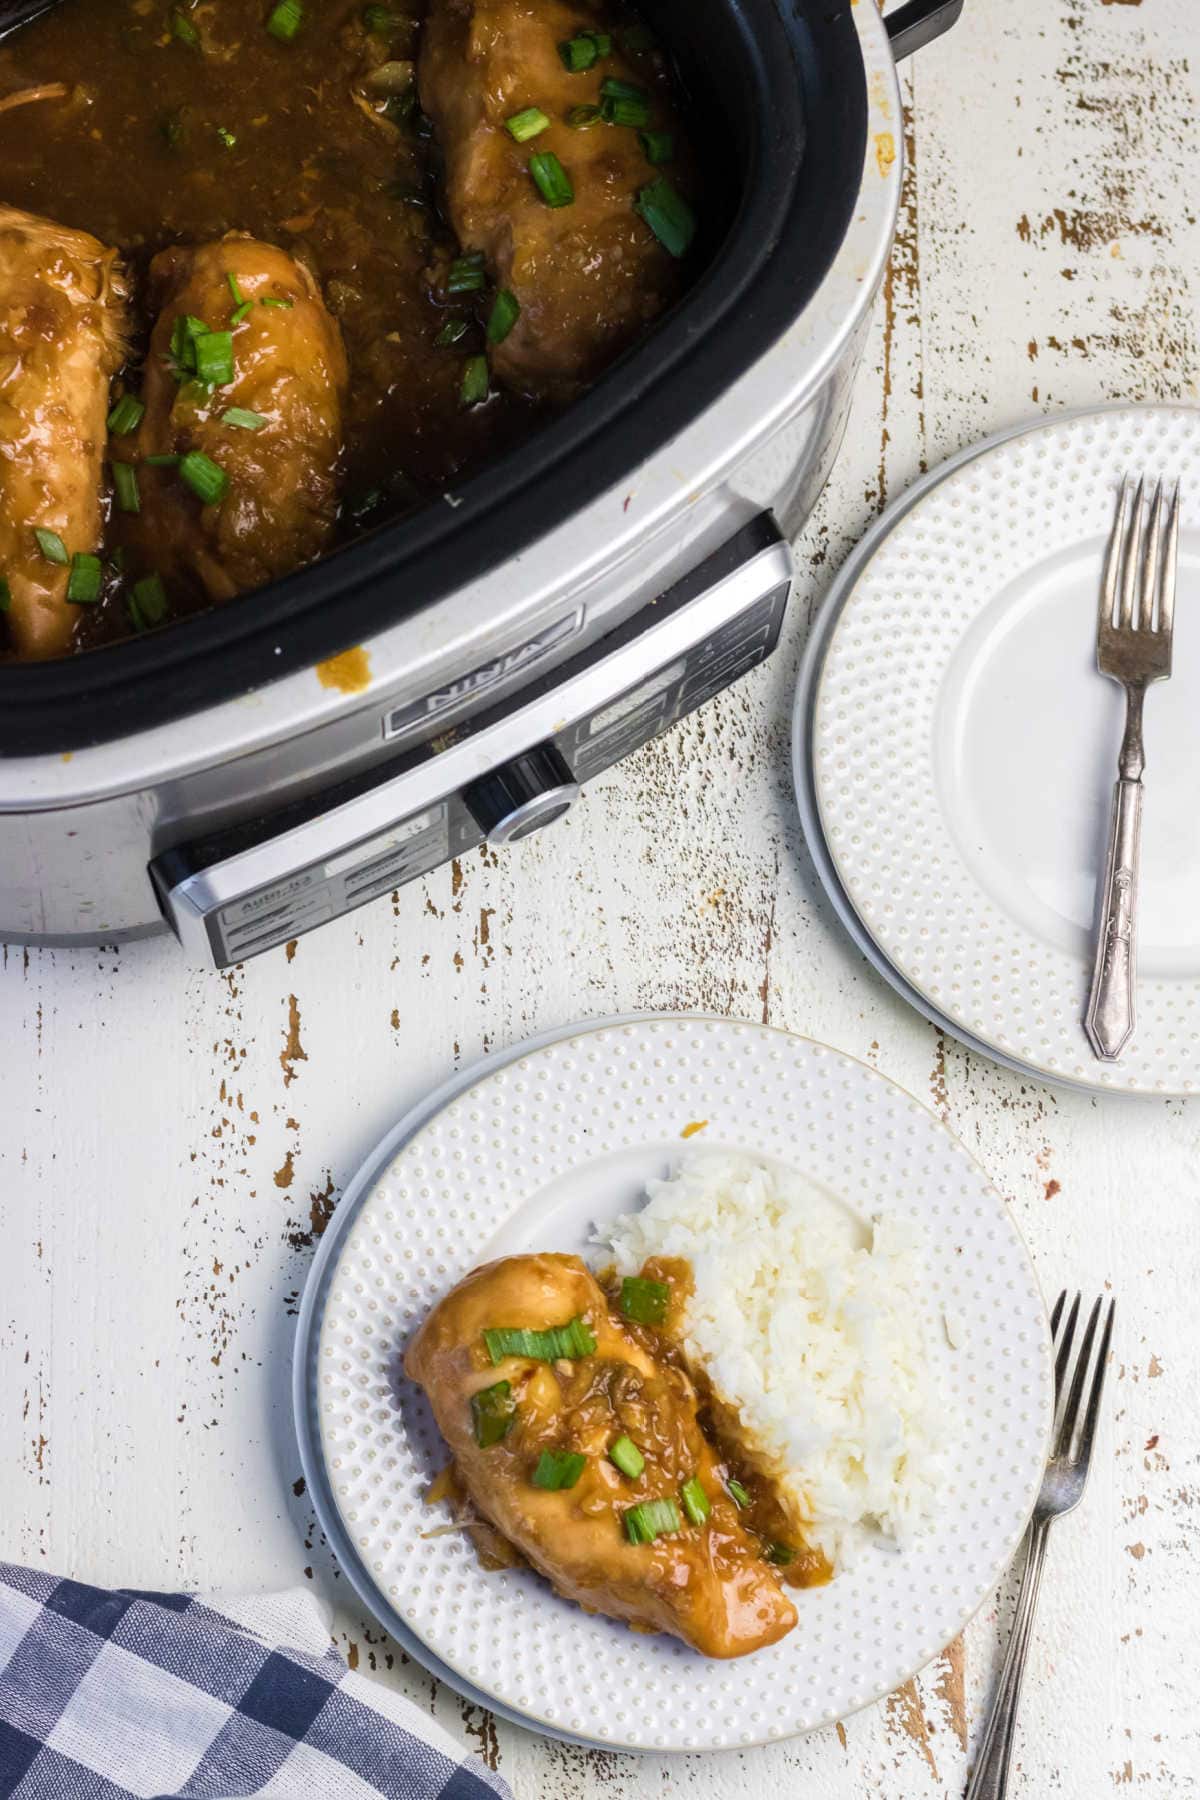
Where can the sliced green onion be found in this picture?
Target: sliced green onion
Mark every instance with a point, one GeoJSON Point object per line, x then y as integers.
{"type": "Point", "coordinates": [573, 1339]}
{"type": "Point", "coordinates": [466, 274]}
{"type": "Point", "coordinates": [738, 1494]}
{"type": "Point", "coordinates": [241, 312]}
{"type": "Point", "coordinates": [125, 486]}
{"type": "Point", "coordinates": [284, 20]}
{"type": "Point", "coordinates": [493, 1414]}
{"type": "Point", "coordinates": [5, 595]}
{"type": "Point", "coordinates": [602, 41]}
{"type": "Point", "coordinates": [126, 415]}
{"type": "Point", "coordinates": [185, 335]}
{"type": "Point", "coordinates": [239, 299]}
{"type": "Point", "coordinates": [558, 1469]}
{"type": "Point", "coordinates": [243, 418]}
{"type": "Point", "coordinates": [214, 358]}
{"type": "Point", "coordinates": [612, 89]}
{"type": "Point", "coordinates": [85, 580]}
{"type": "Point", "coordinates": [781, 1554]}
{"type": "Point", "coordinates": [636, 38]}
{"type": "Point", "coordinates": [380, 20]}
{"type": "Point", "coordinates": [227, 137]}
{"type": "Point", "coordinates": [183, 29]}
{"type": "Point", "coordinates": [657, 146]}
{"type": "Point", "coordinates": [451, 331]}
{"type": "Point", "coordinates": [506, 310]}
{"type": "Point", "coordinates": [667, 214]}
{"type": "Point", "coordinates": [51, 545]}
{"type": "Point", "coordinates": [645, 1302]}
{"type": "Point", "coordinates": [553, 182]}
{"type": "Point", "coordinates": [651, 1519]}
{"type": "Point", "coordinates": [472, 389]}
{"type": "Point", "coordinates": [579, 53]}
{"type": "Point", "coordinates": [580, 117]}
{"type": "Point", "coordinates": [695, 1501]}
{"type": "Point", "coordinates": [208, 482]}
{"type": "Point", "coordinates": [627, 1457]}
{"type": "Point", "coordinates": [117, 559]}
{"type": "Point", "coordinates": [148, 602]}
{"type": "Point", "coordinates": [270, 300]}
{"type": "Point", "coordinates": [162, 462]}
{"type": "Point", "coordinates": [627, 109]}
{"type": "Point", "coordinates": [527, 124]}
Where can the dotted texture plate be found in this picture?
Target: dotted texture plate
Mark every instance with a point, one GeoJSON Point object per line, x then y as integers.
{"type": "Point", "coordinates": [500, 1169]}
{"type": "Point", "coordinates": [996, 562]}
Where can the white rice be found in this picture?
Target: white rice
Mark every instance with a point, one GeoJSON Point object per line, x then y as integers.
{"type": "Point", "coordinates": [808, 1324]}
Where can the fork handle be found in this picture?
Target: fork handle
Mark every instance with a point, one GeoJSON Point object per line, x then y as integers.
{"type": "Point", "coordinates": [1109, 1019]}
{"type": "Point", "coordinates": [990, 1779]}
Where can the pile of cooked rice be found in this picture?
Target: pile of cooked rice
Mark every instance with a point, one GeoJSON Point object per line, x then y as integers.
{"type": "Point", "coordinates": [807, 1325]}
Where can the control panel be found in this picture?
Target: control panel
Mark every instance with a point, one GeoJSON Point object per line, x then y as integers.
{"type": "Point", "coordinates": [499, 775]}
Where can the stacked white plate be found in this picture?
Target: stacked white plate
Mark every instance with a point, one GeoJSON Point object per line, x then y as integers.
{"type": "Point", "coordinates": [954, 749]}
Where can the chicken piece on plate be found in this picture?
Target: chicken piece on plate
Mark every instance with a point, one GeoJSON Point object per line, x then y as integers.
{"type": "Point", "coordinates": [705, 1582]}
{"type": "Point", "coordinates": [62, 338]}
{"type": "Point", "coordinates": [263, 409]}
{"type": "Point", "coordinates": [589, 275]}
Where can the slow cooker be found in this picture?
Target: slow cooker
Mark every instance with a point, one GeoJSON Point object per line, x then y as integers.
{"type": "Point", "coordinates": [458, 676]}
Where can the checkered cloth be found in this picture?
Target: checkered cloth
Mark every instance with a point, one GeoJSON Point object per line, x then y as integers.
{"type": "Point", "coordinates": [104, 1695]}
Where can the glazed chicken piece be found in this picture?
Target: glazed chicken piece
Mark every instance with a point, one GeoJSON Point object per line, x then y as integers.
{"type": "Point", "coordinates": [589, 276]}
{"type": "Point", "coordinates": [289, 375]}
{"type": "Point", "coordinates": [62, 338]}
{"type": "Point", "coordinates": [704, 1583]}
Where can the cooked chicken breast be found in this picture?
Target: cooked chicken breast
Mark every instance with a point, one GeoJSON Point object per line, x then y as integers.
{"type": "Point", "coordinates": [705, 1583]}
{"type": "Point", "coordinates": [281, 463]}
{"type": "Point", "coordinates": [62, 330]}
{"type": "Point", "coordinates": [588, 276]}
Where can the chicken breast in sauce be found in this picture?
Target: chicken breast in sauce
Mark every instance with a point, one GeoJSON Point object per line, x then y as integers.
{"type": "Point", "coordinates": [270, 425]}
{"type": "Point", "coordinates": [62, 338]}
{"type": "Point", "coordinates": [588, 275]}
{"type": "Point", "coordinates": [515, 1422]}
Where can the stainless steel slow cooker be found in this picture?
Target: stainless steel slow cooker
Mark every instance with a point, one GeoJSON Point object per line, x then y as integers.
{"type": "Point", "coordinates": [458, 676]}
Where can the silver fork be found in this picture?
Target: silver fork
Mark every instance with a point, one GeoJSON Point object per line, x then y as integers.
{"type": "Point", "coordinates": [1135, 652]}
{"type": "Point", "coordinates": [1062, 1488]}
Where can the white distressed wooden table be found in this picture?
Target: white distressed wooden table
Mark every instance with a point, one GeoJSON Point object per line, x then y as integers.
{"type": "Point", "coordinates": [174, 1142]}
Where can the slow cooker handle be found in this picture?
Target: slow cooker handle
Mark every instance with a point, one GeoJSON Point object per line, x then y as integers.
{"type": "Point", "coordinates": [918, 22]}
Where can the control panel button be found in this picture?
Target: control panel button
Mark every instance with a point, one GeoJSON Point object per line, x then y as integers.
{"type": "Point", "coordinates": [522, 795]}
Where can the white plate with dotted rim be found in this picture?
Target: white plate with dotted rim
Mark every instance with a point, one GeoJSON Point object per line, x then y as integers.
{"type": "Point", "coordinates": [962, 749]}
{"type": "Point", "coordinates": [524, 1158]}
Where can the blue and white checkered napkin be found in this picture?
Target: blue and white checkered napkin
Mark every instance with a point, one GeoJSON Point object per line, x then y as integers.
{"type": "Point", "coordinates": [104, 1695]}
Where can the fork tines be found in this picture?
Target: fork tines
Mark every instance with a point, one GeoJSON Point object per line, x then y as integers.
{"type": "Point", "coordinates": [1131, 572]}
{"type": "Point", "coordinates": [1073, 1436]}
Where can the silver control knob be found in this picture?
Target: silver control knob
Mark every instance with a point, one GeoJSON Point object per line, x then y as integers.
{"type": "Point", "coordinates": [521, 796]}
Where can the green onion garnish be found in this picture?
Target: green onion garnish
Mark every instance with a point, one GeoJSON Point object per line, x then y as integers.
{"type": "Point", "coordinates": [645, 1302]}
{"type": "Point", "coordinates": [185, 335]}
{"type": "Point", "coordinates": [241, 312]}
{"type": "Point", "coordinates": [650, 1519]}
{"type": "Point", "coordinates": [162, 462]}
{"type": "Point", "coordinates": [579, 53]}
{"type": "Point", "coordinates": [148, 602]}
{"type": "Point", "coordinates": [602, 41]}
{"type": "Point", "coordinates": [5, 595]}
{"type": "Point", "coordinates": [243, 418]}
{"type": "Point", "coordinates": [270, 300]}
{"type": "Point", "coordinates": [627, 1457]}
{"type": "Point", "coordinates": [695, 1501]}
{"type": "Point", "coordinates": [493, 1414]}
{"type": "Point", "coordinates": [239, 299]}
{"type": "Point", "coordinates": [506, 310]}
{"type": "Point", "coordinates": [208, 482]}
{"type": "Point", "coordinates": [612, 89]}
{"type": "Point", "coordinates": [125, 486]}
{"type": "Point", "coordinates": [580, 117]}
{"type": "Point", "coordinates": [451, 331]}
{"type": "Point", "coordinates": [466, 274]}
{"type": "Point", "coordinates": [573, 1339]}
{"type": "Point", "coordinates": [227, 137]}
{"type": "Point", "coordinates": [284, 21]}
{"type": "Point", "coordinates": [553, 182]}
{"type": "Point", "coordinates": [183, 29]}
{"type": "Point", "coordinates": [628, 109]}
{"type": "Point", "coordinates": [657, 146]}
{"type": "Point", "coordinates": [51, 545]}
{"type": "Point", "coordinates": [474, 388]}
{"type": "Point", "coordinates": [126, 415]}
{"type": "Point", "coordinates": [667, 214]}
{"type": "Point", "coordinates": [85, 580]}
{"type": "Point", "coordinates": [558, 1469]}
{"type": "Point", "coordinates": [781, 1554]}
{"type": "Point", "coordinates": [737, 1493]}
{"type": "Point", "coordinates": [380, 20]}
{"type": "Point", "coordinates": [214, 358]}
{"type": "Point", "coordinates": [527, 124]}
